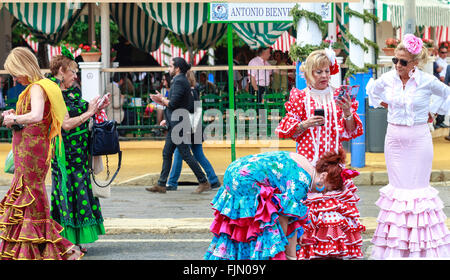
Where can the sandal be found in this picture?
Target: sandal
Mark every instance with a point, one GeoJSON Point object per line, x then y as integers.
{"type": "Point", "coordinates": [82, 249]}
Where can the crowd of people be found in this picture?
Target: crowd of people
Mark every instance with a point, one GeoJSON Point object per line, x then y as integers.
{"type": "Point", "coordinates": [276, 205]}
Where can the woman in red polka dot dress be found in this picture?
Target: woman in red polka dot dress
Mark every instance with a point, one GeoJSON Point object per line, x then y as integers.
{"type": "Point", "coordinates": [316, 135]}
{"type": "Point", "coordinates": [334, 229]}
{"type": "Point", "coordinates": [333, 214]}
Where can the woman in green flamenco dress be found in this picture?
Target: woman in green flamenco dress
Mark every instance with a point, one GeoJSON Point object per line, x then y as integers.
{"type": "Point", "coordinates": [73, 204]}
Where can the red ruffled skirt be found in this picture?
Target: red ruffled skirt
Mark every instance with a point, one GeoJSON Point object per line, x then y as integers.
{"type": "Point", "coordinates": [335, 229]}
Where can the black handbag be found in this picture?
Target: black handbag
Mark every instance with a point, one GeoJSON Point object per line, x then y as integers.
{"type": "Point", "coordinates": [104, 141]}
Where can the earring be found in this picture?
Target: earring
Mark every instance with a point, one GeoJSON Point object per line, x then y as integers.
{"type": "Point", "coordinates": [320, 189]}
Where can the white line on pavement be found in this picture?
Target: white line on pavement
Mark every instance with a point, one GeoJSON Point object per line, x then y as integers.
{"type": "Point", "coordinates": [151, 240]}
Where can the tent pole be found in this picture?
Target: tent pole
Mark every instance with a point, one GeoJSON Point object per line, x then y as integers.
{"type": "Point", "coordinates": [105, 42]}
{"type": "Point", "coordinates": [231, 90]}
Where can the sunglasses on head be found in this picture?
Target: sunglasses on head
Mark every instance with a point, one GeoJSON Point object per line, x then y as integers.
{"type": "Point", "coordinates": [402, 61]}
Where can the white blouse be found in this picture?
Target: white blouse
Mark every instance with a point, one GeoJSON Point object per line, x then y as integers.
{"type": "Point", "coordinates": [409, 105]}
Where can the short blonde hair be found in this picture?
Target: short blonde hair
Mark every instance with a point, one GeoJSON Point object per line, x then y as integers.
{"type": "Point", "coordinates": [315, 60]}
{"type": "Point", "coordinates": [191, 78]}
{"type": "Point", "coordinates": [421, 57]}
{"type": "Point", "coordinates": [59, 61]}
{"type": "Point", "coordinates": [22, 62]}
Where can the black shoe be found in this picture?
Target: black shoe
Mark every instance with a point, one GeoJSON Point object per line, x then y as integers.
{"type": "Point", "coordinates": [171, 188]}
{"type": "Point", "coordinates": [215, 185]}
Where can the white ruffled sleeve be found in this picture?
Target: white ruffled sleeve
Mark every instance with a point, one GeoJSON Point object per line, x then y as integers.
{"type": "Point", "coordinates": [375, 90]}
{"type": "Point", "coordinates": [440, 101]}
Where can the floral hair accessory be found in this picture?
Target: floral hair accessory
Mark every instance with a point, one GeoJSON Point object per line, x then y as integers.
{"type": "Point", "coordinates": [334, 67]}
{"type": "Point", "coordinates": [348, 174]}
{"type": "Point", "coordinates": [412, 43]}
{"type": "Point", "coordinates": [65, 52]}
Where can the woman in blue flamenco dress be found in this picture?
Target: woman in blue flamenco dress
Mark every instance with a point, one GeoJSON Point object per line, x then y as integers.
{"type": "Point", "coordinates": [259, 214]}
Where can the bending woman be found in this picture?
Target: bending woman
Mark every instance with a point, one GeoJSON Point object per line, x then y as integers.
{"type": "Point", "coordinates": [259, 213]}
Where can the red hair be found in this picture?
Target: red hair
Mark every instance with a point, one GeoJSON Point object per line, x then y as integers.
{"type": "Point", "coordinates": [331, 162]}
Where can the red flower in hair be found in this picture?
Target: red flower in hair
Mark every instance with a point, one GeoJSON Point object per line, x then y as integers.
{"type": "Point", "coordinates": [334, 69]}
{"type": "Point", "coordinates": [348, 174]}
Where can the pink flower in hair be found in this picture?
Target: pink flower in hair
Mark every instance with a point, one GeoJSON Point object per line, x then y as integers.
{"type": "Point", "coordinates": [412, 43]}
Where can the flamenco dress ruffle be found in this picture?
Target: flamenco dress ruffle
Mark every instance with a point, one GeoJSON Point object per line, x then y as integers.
{"type": "Point", "coordinates": [26, 236]}
{"type": "Point", "coordinates": [411, 223]}
{"type": "Point", "coordinates": [247, 227]}
{"type": "Point", "coordinates": [335, 229]}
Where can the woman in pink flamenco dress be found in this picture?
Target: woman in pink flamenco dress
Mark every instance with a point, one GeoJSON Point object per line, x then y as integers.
{"type": "Point", "coordinates": [28, 232]}
{"type": "Point", "coordinates": [411, 223]}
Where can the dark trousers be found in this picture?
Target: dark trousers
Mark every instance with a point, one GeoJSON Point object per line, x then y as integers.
{"type": "Point", "coordinates": [259, 93]}
{"type": "Point", "coordinates": [440, 119]}
{"type": "Point", "coordinates": [186, 155]}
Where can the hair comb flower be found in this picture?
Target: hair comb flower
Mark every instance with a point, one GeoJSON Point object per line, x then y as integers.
{"type": "Point", "coordinates": [348, 174]}
{"type": "Point", "coordinates": [65, 52]}
{"type": "Point", "coordinates": [412, 43]}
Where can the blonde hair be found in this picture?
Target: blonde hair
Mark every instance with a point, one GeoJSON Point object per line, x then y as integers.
{"type": "Point", "coordinates": [315, 60]}
{"type": "Point", "coordinates": [191, 78]}
{"type": "Point", "coordinates": [421, 57]}
{"type": "Point", "coordinates": [22, 62]}
{"type": "Point", "coordinates": [59, 61]}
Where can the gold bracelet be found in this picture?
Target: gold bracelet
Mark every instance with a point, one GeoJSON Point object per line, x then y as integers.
{"type": "Point", "coordinates": [81, 119]}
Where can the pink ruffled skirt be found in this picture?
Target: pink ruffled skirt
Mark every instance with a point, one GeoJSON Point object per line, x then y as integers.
{"type": "Point", "coordinates": [411, 222]}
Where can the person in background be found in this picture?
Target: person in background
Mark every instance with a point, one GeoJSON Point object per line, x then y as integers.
{"type": "Point", "coordinates": [440, 70]}
{"type": "Point", "coordinates": [73, 204]}
{"type": "Point", "coordinates": [279, 77]}
{"type": "Point", "coordinates": [205, 86]}
{"type": "Point", "coordinates": [114, 110]}
{"type": "Point", "coordinates": [180, 98]}
{"type": "Point", "coordinates": [28, 231]}
{"type": "Point", "coordinates": [411, 223]}
{"type": "Point", "coordinates": [196, 146]}
{"type": "Point", "coordinates": [260, 79]}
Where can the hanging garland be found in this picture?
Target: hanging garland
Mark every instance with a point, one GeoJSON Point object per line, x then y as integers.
{"type": "Point", "coordinates": [297, 14]}
{"type": "Point", "coordinates": [296, 52]}
{"type": "Point", "coordinates": [352, 68]}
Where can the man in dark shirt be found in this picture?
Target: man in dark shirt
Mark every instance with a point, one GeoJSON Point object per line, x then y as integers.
{"type": "Point", "coordinates": [180, 105]}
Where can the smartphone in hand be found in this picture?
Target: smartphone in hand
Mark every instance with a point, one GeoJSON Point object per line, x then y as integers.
{"type": "Point", "coordinates": [101, 101]}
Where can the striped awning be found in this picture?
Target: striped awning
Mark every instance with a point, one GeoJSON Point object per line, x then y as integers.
{"type": "Point", "coordinates": [205, 37]}
{"type": "Point", "coordinates": [261, 34]}
{"type": "Point", "coordinates": [167, 51]}
{"type": "Point", "coordinates": [48, 21]}
{"type": "Point", "coordinates": [139, 28]}
{"type": "Point", "coordinates": [284, 42]}
{"type": "Point", "coordinates": [428, 12]}
{"type": "Point", "coordinates": [180, 18]}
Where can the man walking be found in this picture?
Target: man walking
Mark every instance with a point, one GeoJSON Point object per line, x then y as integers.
{"type": "Point", "coordinates": [180, 99]}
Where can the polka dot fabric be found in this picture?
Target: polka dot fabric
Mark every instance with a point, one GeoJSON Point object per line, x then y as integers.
{"type": "Point", "coordinates": [335, 229]}
{"type": "Point", "coordinates": [297, 112]}
{"type": "Point", "coordinates": [72, 203]}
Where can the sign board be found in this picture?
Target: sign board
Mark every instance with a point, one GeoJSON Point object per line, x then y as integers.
{"type": "Point", "coordinates": [262, 12]}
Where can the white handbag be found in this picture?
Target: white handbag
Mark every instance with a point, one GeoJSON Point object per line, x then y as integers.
{"type": "Point", "coordinates": [97, 167]}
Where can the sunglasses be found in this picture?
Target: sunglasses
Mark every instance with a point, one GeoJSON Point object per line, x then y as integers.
{"type": "Point", "coordinates": [402, 61]}
{"type": "Point", "coordinates": [443, 52]}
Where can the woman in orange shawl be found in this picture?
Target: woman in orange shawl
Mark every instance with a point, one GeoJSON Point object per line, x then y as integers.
{"type": "Point", "coordinates": [28, 232]}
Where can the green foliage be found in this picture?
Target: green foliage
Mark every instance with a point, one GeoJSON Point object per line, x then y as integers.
{"type": "Point", "coordinates": [78, 33]}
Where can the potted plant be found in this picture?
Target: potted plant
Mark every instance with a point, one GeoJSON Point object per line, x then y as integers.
{"type": "Point", "coordinates": [391, 44]}
{"type": "Point", "coordinates": [428, 43]}
{"type": "Point", "coordinates": [90, 53]}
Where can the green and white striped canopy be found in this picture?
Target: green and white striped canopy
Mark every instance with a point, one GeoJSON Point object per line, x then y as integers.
{"type": "Point", "coordinates": [428, 12]}
{"type": "Point", "coordinates": [180, 18]}
{"type": "Point", "coordinates": [48, 21]}
{"type": "Point", "coordinates": [261, 34]}
{"type": "Point", "coordinates": [205, 37]}
{"type": "Point", "coordinates": [139, 28]}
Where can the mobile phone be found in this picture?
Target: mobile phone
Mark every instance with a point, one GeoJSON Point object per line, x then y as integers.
{"type": "Point", "coordinates": [319, 112]}
{"type": "Point", "coordinates": [102, 100]}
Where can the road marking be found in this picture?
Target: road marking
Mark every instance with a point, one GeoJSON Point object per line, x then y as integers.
{"type": "Point", "coordinates": [151, 240]}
